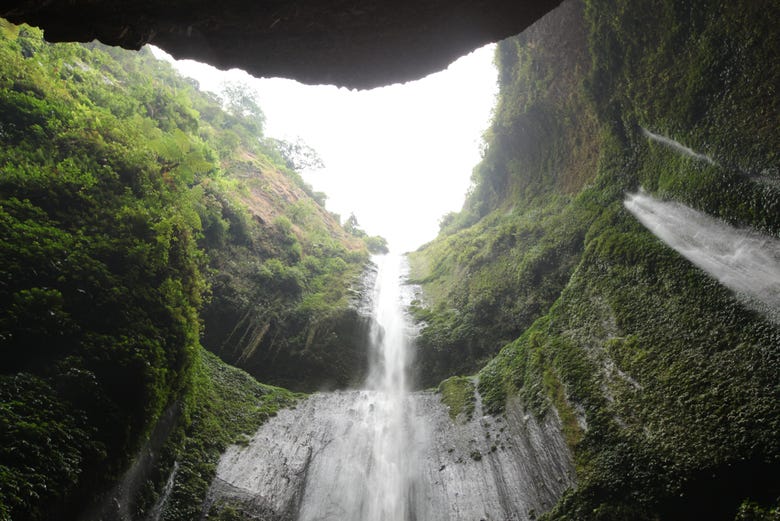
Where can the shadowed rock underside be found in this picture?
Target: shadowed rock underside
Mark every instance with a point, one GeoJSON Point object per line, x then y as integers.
{"type": "Point", "coordinates": [354, 43]}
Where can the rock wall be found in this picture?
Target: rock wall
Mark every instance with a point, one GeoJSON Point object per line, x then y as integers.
{"type": "Point", "coordinates": [316, 459]}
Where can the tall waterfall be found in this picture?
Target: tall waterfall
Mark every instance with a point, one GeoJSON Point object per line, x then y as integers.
{"type": "Point", "coordinates": [369, 472]}
{"type": "Point", "coordinates": [386, 453]}
{"type": "Point", "coordinates": [391, 471]}
{"type": "Point", "coordinates": [742, 260]}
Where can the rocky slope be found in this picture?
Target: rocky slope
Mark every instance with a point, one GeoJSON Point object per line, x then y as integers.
{"type": "Point", "coordinates": [312, 462]}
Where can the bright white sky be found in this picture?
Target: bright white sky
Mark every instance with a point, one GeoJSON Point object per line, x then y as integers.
{"type": "Point", "coordinates": [398, 157]}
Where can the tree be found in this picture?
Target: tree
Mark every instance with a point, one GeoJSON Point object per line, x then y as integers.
{"type": "Point", "coordinates": [240, 100]}
{"type": "Point", "coordinates": [298, 155]}
{"type": "Point", "coordinates": [352, 226]}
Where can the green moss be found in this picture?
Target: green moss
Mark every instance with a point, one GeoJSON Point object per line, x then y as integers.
{"type": "Point", "coordinates": [457, 393]}
{"type": "Point", "coordinates": [486, 284]}
{"type": "Point", "coordinates": [226, 405]}
{"type": "Point", "coordinates": [572, 431]}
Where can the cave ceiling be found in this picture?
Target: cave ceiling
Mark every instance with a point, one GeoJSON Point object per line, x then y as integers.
{"type": "Point", "coordinates": [352, 43]}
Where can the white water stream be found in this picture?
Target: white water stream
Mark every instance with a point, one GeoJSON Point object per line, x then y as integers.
{"type": "Point", "coordinates": [387, 454]}
{"type": "Point", "coordinates": [367, 473]}
{"type": "Point", "coordinates": [742, 260]}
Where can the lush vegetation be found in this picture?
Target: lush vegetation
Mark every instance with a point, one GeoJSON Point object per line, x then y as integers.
{"type": "Point", "coordinates": [283, 306]}
{"type": "Point", "coordinates": [666, 386]}
{"type": "Point", "coordinates": [140, 218]}
{"type": "Point", "coordinates": [138, 215]}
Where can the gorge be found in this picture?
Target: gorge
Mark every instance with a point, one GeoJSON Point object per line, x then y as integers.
{"type": "Point", "coordinates": [593, 336]}
{"type": "Point", "coordinates": [386, 453]}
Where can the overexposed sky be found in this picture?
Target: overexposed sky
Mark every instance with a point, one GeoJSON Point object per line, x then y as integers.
{"type": "Point", "coordinates": [398, 157]}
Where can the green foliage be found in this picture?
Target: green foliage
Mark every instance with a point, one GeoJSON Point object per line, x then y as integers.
{"type": "Point", "coordinates": [43, 447]}
{"type": "Point", "coordinates": [503, 260]}
{"type": "Point", "coordinates": [94, 217]}
{"type": "Point", "coordinates": [489, 282]}
{"type": "Point", "coordinates": [752, 511]}
{"type": "Point", "coordinates": [281, 304]}
{"type": "Point", "coordinates": [375, 244]}
{"type": "Point", "coordinates": [540, 102]}
{"type": "Point", "coordinates": [240, 101]}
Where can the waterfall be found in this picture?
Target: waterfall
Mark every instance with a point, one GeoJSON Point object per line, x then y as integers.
{"type": "Point", "coordinates": [385, 453]}
{"type": "Point", "coordinates": [767, 176]}
{"type": "Point", "coordinates": [117, 505]}
{"type": "Point", "coordinates": [743, 260]}
{"type": "Point", "coordinates": [392, 467]}
{"type": "Point", "coordinates": [376, 453]}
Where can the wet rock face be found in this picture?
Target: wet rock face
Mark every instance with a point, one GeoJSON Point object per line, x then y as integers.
{"type": "Point", "coordinates": [354, 43]}
{"type": "Point", "coordinates": [319, 461]}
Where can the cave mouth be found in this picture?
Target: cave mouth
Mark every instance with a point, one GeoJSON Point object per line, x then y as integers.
{"type": "Point", "coordinates": [352, 43]}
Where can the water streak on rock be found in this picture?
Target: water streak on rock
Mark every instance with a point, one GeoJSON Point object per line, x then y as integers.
{"type": "Point", "coordinates": [676, 145]}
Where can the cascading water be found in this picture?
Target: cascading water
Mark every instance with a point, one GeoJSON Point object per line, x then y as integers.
{"type": "Point", "coordinates": [378, 441]}
{"type": "Point", "coordinates": [355, 452]}
{"type": "Point", "coordinates": [388, 454]}
{"type": "Point", "coordinates": [157, 509]}
{"type": "Point", "coordinates": [742, 260]}
{"type": "Point", "coordinates": [767, 176]}
{"type": "Point", "coordinates": [391, 474]}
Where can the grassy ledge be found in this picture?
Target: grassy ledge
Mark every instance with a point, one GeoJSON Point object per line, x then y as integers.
{"type": "Point", "coordinates": [457, 393]}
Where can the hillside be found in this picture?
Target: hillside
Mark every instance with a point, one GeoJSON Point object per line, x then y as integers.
{"type": "Point", "coordinates": [286, 281]}
{"type": "Point", "coordinates": [666, 381]}
{"type": "Point", "coordinates": [140, 218]}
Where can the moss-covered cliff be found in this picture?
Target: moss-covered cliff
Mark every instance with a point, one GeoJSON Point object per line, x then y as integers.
{"type": "Point", "coordinates": [667, 385]}
{"type": "Point", "coordinates": [139, 218]}
{"type": "Point", "coordinates": [503, 260]}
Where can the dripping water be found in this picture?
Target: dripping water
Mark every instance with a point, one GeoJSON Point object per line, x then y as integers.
{"type": "Point", "coordinates": [767, 177]}
{"type": "Point", "coordinates": [159, 506]}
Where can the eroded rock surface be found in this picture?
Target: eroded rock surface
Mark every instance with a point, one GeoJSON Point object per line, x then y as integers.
{"type": "Point", "coordinates": [316, 461]}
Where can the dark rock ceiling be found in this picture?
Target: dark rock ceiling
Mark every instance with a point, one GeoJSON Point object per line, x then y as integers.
{"type": "Point", "coordinates": [354, 43]}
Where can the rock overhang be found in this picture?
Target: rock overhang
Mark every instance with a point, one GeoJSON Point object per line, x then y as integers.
{"type": "Point", "coordinates": [351, 43]}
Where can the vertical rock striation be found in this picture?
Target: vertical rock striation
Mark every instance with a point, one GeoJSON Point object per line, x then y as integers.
{"type": "Point", "coordinates": [312, 461]}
